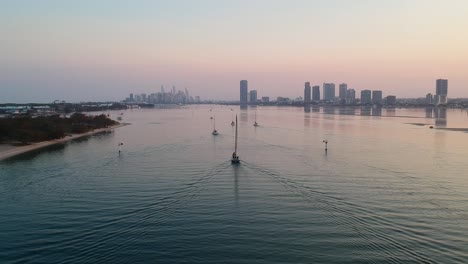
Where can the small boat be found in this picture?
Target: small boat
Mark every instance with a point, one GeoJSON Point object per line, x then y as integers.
{"type": "Point", "coordinates": [255, 124]}
{"type": "Point", "coordinates": [119, 118]}
{"type": "Point", "coordinates": [235, 157]}
{"type": "Point", "coordinates": [215, 132]}
{"type": "Point", "coordinates": [232, 123]}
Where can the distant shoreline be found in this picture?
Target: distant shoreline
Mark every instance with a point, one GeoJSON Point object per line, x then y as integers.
{"type": "Point", "coordinates": [15, 151]}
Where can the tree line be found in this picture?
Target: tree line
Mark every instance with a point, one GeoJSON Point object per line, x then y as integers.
{"type": "Point", "coordinates": [28, 129]}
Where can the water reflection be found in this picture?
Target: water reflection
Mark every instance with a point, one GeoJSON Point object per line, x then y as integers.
{"type": "Point", "coordinates": [306, 116]}
{"type": "Point", "coordinates": [390, 111]}
{"type": "Point", "coordinates": [244, 115]}
{"type": "Point", "coordinates": [366, 110]}
{"type": "Point", "coordinates": [342, 111]}
{"type": "Point", "coordinates": [429, 111]}
{"type": "Point", "coordinates": [440, 115]}
{"type": "Point", "coordinates": [316, 109]}
{"type": "Point", "coordinates": [329, 110]}
{"type": "Point", "coordinates": [377, 111]}
{"type": "Point", "coordinates": [347, 111]}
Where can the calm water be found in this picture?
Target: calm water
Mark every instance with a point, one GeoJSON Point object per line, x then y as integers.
{"type": "Point", "coordinates": [385, 192]}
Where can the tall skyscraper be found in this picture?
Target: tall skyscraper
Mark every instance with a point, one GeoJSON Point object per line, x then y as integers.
{"type": "Point", "coordinates": [253, 97]}
{"type": "Point", "coordinates": [329, 92]}
{"type": "Point", "coordinates": [366, 97]}
{"type": "Point", "coordinates": [441, 91]}
{"type": "Point", "coordinates": [316, 93]}
{"type": "Point", "coordinates": [350, 96]}
{"type": "Point", "coordinates": [131, 98]}
{"type": "Point", "coordinates": [307, 93]}
{"type": "Point", "coordinates": [243, 92]}
{"type": "Point", "coordinates": [441, 87]}
{"type": "Point", "coordinates": [342, 91]}
{"type": "Point", "coordinates": [377, 97]}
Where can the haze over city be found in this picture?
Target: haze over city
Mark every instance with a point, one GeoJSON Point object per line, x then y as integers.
{"type": "Point", "coordinates": [104, 50]}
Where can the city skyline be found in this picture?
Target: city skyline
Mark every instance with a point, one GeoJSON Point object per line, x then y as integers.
{"type": "Point", "coordinates": [90, 51]}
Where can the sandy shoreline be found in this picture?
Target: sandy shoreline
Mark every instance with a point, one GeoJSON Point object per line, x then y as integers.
{"type": "Point", "coordinates": [14, 151]}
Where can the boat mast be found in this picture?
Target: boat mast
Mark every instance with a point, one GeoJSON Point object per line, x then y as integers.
{"type": "Point", "coordinates": [235, 147]}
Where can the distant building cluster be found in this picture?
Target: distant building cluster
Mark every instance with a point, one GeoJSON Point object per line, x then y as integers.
{"type": "Point", "coordinates": [312, 95]}
{"type": "Point", "coordinates": [163, 97]}
{"type": "Point", "coordinates": [440, 97]}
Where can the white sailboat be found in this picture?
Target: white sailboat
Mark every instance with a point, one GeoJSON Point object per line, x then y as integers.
{"type": "Point", "coordinates": [255, 124]}
{"type": "Point", "coordinates": [215, 132]}
{"type": "Point", "coordinates": [235, 157]}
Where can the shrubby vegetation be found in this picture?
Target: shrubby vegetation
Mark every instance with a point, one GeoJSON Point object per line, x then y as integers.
{"type": "Point", "coordinates": [28, 129]}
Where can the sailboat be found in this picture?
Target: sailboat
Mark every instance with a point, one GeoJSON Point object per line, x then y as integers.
{"type": "Point", "coordinates": [235, 158]}
{"type": "Point", "coordinates": [255, 124]}
{"type": "Point", "coordinates": [232, 118]}
{"type": "Point", "coordinates": [215, 132]}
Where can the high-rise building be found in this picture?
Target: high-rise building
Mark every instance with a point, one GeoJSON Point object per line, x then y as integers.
{"type": "Point", "coordinates": [391, 100]}
{"type": "Point", "coordinates": [429, 99]}
{"type": "Point", "coordinates": [131, 98]}
{"type": "Point", "coordinates": [307, 93]}
{"type": "Point", "coordinates": [350, 96]}
{"type": "Point", "coordinates": [441, 91]}
{"type": "Point", "coordinates": [377, 97]}
{"type": "Point", "coordinates": [342, 92]}
{"type": "Point", "coordinates": [441, 87]}
{"type": "Point", "coordinates": [316, 93]}
{"type": "Point", "coordinates": [329, 92]}
{"type": "Point", "coordinates": [265, 99]}
{"type": "Point", "coordinates": [366, 97]}
{"type": "Point", "coordinates": [243, 92]}
{"type": "Point", "coordinates": [253, 97]}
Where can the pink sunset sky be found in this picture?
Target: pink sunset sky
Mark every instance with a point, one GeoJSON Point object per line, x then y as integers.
{"type": "Point", "coordinates": [104, 50]}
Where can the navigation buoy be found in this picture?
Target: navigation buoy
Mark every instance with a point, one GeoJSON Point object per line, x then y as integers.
{"type": "Point", "coordinates": [326, 144]}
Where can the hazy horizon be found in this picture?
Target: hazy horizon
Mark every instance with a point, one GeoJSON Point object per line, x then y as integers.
{"type": "Point", "coordinates": [97, 51]}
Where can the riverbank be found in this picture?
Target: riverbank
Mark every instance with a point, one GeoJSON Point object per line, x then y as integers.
{"type": "Point", "coordinates": [8, 151]}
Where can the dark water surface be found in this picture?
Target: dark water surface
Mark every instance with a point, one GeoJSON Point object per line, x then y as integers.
{"type": "Point", "coordinates": [389, 190]}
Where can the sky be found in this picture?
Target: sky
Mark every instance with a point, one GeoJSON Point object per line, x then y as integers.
{"type": "Point", "coordinates": [104, 50]}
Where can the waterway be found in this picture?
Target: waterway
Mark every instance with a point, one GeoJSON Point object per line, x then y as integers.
{"type": "Point", "coordinates": [389, 189]}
